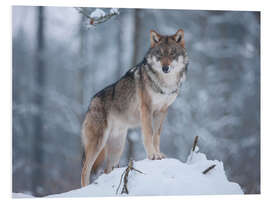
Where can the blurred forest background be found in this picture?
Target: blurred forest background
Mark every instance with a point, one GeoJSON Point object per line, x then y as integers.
{"type": "Point", "coordinates": [59, 64]}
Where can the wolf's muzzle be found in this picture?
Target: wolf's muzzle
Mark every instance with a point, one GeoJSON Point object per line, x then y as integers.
{"type": "Point", "coordinates": [165, 69]}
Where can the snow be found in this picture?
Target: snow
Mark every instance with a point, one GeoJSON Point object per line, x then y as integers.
{"type": "Point", "coordinates": [162, 177]}
{"type": "Point", "coordinates": [134, 136]}
{"type": "Point", "coordinates": [114, 11]}
{"type": "Point", "coordinates": [21, 195]}
{"type": "Point", "coordinates": [98, 13]}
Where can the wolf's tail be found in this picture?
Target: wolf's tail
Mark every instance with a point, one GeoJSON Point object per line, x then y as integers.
{"type": "Point", "coordinates": [94, 137]}
{"type": "Point", "coordinates": [92, 161]}
{"type": "Point", "coordinates": [93, 155]}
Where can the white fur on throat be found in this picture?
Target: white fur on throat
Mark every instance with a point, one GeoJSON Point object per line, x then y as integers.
{"type": "Point", "coordinates": [169, 81]}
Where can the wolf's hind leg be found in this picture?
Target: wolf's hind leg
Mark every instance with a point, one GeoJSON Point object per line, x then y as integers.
{"type": "Point", "coordinates": [114, 148]}
{"type": "Point", "coordinates": [99, 161]}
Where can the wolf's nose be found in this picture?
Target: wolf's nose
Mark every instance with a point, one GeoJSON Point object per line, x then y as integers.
{"type": "Point", "coordinates": [165, 69]}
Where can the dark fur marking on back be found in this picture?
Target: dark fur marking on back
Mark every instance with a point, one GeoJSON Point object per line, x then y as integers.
{"type": "Point", "coordinates": [103, 91]}
{"type": "Point", "coordinates": [143, 62]}
{"type": "Point", "coordinates": [113, 90]}
{"type": "Point", "coordinates": [129, 73]}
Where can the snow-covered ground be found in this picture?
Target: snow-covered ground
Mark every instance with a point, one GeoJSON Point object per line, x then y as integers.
{"type": "Point", "coordinates": [161, 177]}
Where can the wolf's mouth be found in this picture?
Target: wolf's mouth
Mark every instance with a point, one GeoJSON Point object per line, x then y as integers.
{"type": "Point", "coordinates": [166, 69]}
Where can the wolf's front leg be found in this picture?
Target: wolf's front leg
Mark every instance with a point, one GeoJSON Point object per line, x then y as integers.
{"type": "Point", "coordinates": [147, 131]}
{"type": "Point", "coordinates": [158, 118]}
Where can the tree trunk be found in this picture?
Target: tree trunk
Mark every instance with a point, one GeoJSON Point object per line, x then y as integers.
{"type": "Point", "coordinates": [120, 47]}
{"type": "Point", "coordinates": [137, 29]}
{"type": "Point", "coordinates": [37, 177]}
{"type": "Point", "coordinates": [82, 67]}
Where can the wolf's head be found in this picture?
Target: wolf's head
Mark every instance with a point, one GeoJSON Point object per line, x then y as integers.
{"type": "Point", "coordinates": [167, 54]}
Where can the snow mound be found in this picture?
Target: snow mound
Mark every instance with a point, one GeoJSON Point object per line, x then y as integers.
{"type": "Point", "coordinates": [162, 177]}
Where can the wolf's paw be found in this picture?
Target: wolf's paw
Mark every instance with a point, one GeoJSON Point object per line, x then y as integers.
{"type": "Point", "coordinates": [163, 156]}
{"type": "Point", "coordinates": [156, 156]}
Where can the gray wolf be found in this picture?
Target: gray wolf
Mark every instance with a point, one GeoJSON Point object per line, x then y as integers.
{"type": "Point", "coordinates": [139, 99]}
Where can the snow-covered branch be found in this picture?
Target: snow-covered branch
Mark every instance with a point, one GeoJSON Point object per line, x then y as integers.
{"type": "Point", "coordinates": [98, 16]}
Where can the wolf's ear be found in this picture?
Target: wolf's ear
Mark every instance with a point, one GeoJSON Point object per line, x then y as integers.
{"type": "Point", "coordinates": [179, 37]}
{"type": "Point", "coordinates": [155, 38]}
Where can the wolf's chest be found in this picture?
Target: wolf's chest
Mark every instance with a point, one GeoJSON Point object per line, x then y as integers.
{"type": "Point", "coordinates": [161, 100]}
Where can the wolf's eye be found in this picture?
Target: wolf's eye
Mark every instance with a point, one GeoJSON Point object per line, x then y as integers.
{"type": "Point", "coordinates": [158, 52]}
{"type": "Point", "coordinates": [173, 52]}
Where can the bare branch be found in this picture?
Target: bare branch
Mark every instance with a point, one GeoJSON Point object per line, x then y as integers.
{"type": "Point", "coordinates": [125, 174]}
{"type": "Point", "coordinates": [195, 143]}
{"type": "Point", "coordinates": [208, 169]}
{"type": "Point", "coordinates": [189, 159]}
{"type": "Point", "coordinates": [80, 10]}
{"type": "Point", "coordinates": [137, 170]}
{"type": "Point", "coordinates": [121, 180]}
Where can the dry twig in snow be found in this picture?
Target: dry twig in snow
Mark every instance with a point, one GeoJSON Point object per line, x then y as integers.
{"type": "Point", "coordinates": [195, 143]}
{"type": "Point", "coordinates": [208, 169]}
{"type": "Point", "coordinates": [193, 149]}
{"type": "Point", "coordinates": [125, 174]}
